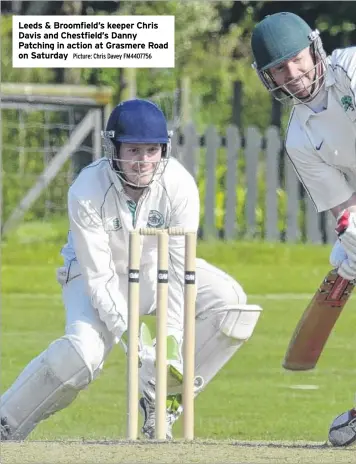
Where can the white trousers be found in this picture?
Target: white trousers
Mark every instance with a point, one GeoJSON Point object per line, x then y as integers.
{"type": "Point", "coordinates": [52, 380]}
{"type": "Point", "coordinates": [217, 292]}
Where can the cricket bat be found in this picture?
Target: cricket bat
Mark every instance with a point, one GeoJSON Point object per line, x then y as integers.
{"type": "Point", "coordinates": [317, 322]}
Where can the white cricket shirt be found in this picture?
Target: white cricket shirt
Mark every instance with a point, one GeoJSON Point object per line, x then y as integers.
{"type": "Point", "coordinates": [322, 146]}
{"type": "Point", "coordinates": [101, 216]}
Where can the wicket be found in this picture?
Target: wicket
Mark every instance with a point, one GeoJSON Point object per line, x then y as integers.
{"type": "Point", "coordinates": [161, 330]}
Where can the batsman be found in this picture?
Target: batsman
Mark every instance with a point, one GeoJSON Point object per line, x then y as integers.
{"type": "Point", "coordinates": [137, 184]}
{"type": "Point", "coordinates": [321, 137]}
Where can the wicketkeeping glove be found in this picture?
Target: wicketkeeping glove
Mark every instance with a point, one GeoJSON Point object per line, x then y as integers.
{"type": "Point", "coordinates": [147, 375]}
{"type": "Point", "coordinates": [146, 355]}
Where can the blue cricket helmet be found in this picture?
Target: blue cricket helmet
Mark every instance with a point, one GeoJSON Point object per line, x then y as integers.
{"type": "Point", "coordinates": [138, 121]}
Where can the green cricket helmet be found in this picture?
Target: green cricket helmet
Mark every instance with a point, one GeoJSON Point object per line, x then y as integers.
{"type": "Point", "coordinates": [278, 38]}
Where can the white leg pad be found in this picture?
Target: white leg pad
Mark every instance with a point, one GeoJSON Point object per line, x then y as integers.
{"type": "Point", "coordinates": [224, 320]}
{"type": "Point", "coordinates": [49, 383]}
{"type": "Point", "coordinates": [220, 336]}
{"type": "Point", "coordinates": [241, 321]}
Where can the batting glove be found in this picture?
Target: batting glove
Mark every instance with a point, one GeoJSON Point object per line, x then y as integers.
{"type": "Point", "coordinates": [345, 260]}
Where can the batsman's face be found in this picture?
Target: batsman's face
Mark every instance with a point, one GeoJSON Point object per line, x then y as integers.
{"type": "Point", "coordinates": [297, 75]}
{"type": "Point", "coordinates": [139, 162]}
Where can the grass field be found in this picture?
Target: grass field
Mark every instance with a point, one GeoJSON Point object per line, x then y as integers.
{"type": "Point", "coordinates": [251, 400]}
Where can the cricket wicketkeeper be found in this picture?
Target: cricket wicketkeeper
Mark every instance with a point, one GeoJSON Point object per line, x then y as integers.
{"type": "Point", "coordinates": [136, 185]}
{"type": "Point", "coordinates": [321, 139]}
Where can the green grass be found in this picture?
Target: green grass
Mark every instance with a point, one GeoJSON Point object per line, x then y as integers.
{"type": "Point", "coordinates": [252, 398]}
{"type": "Point", "coordinates": [33, 252]}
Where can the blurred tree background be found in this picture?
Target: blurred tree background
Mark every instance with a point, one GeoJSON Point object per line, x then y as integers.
{"type": "Point", "coordinates": [212, 63]}
{"type": "Point", "coordinates": [212, 49]}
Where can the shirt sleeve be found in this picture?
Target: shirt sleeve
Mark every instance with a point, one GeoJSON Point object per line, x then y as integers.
{"type": "Point", "coordinates": [326, 185]}
{"type": "Point", "coordinates": [185, 214]}
{"type": "Point", "coordinates": [344, 62]}
{"type": "Point", "coordinates": [94, 257]}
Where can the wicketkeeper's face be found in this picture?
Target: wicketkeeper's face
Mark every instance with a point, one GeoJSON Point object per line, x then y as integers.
{"type": "Point", "coordinates": [297, 75]}
{"type": "Point", "coordinates": [139, 162]}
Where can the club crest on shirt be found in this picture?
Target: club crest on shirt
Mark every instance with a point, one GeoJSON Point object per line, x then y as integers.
{"type": "Point", "coordinates": [155, 219]}
{"type": "Point", "coordinates": [113, 224]}
{"type": "Point", "coordinates": [116, 224]}
{"type": "Point", "coordinates": [346, 102]}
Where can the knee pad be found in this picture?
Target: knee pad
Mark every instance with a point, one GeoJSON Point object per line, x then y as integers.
{"type": "Point", "coordinates": [67, 363]}
{"type": "Point", "coordinates": [233, 316]}
{"type": "Point", "coordinates": [240, 322]}
{"type": "Point", "coordinates": [90, 345]}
